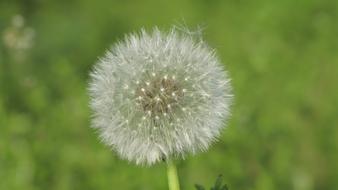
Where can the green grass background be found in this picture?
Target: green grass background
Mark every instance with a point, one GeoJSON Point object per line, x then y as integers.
{"type": "Point", "coordinates": [282, 57]}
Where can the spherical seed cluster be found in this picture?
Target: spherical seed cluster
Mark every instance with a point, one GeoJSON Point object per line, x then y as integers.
{"type": "Point", "coordinates": [159, 95]}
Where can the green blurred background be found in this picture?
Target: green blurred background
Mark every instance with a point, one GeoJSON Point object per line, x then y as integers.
{"type": "Point", "coordinates": [282, 57]}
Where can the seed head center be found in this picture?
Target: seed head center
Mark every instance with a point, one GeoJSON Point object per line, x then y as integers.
{"type": "Point", "coordinates": [159, 96]}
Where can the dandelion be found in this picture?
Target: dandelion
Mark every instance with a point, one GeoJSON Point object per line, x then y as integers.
{"type": "Point", "coordinates": [18, 36]}
{"type": "Point", "coordinates": [181, 77]}
{"type": "Point", "coordinates": [158, 96]}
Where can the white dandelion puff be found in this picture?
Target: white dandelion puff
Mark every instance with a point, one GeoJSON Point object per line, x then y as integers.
{"type": "Point", "coordinates": [180, 100]}
{"type": "Point", "coordinates": [18, 36]}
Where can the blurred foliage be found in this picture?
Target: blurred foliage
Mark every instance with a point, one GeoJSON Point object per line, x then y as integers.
{"type": "Point", "coordinates": [282, 57]}
{"type": "Point", "coordinates": [218, 185]}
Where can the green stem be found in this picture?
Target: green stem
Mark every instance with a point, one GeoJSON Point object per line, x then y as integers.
{"type": "Point", "coordinates": [172, 176]}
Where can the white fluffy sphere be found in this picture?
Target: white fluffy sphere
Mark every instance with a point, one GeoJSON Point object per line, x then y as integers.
{"type": "Point", "coordinates": [159, 95]}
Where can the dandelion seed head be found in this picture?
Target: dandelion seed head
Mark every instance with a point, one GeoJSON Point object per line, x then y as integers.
{"type": "Point", "coordinates": [180, 100]}
{"type": "Point", "coordinates": [17, 36]}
